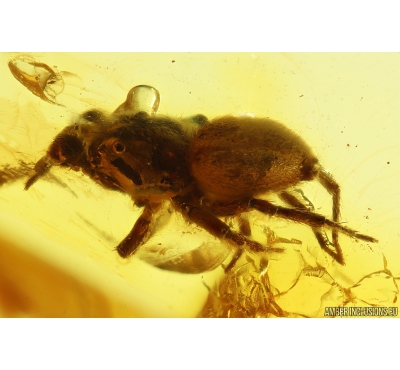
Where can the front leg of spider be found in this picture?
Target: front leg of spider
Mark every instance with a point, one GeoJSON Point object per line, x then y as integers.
{"type": "Point", "coordinates": [140, 232]}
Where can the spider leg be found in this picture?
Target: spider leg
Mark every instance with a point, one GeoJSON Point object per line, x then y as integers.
{"type": "Point", "coordinates": [320, 236]}
{"type": "Point", "coordinates": [332, 187]}
{"type": "Point", "coordinates": [217, 228]}
{"type": "Point", "coordinates": [140, 231]}
{"type": "Point", "coordinates": [312, 219]}
{"type": "Point", "coordinates": [235, 258]}
{"type": "Point", "coordinates": [41, 168]}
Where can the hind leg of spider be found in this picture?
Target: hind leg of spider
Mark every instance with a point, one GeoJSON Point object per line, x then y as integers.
{"type": "Point", "coordinates": [323, 241]}
{"type": "Point", "coordinates": [333, 188]}
{"type": "Point", "coordinates": [245, 229]}
{"type": "Point", "coordinates": [314, 220]}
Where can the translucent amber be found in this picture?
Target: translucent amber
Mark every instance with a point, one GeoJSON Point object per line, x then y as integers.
{"type": "Point", "coordinates": [57, 240]}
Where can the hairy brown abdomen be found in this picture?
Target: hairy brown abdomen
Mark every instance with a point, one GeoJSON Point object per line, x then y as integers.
{"type": "Point", "coordinates": [236, 157]}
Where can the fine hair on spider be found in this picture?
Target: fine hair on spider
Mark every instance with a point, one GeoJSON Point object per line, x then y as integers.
{"type": "Point", "coordinates": [206, 169]}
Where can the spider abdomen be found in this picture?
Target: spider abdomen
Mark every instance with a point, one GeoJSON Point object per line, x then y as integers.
{"type": "Point", "coordinates": [237, 157]}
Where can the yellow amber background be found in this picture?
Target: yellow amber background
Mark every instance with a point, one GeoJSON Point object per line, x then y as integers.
{"type": "Point", "coordinates": [56, 251]}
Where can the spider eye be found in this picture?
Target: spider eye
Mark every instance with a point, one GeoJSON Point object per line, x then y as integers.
{"type": "Point", "coordinates": [119, 148]}
{"type": "Point", "coordinates": [92, 116]}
